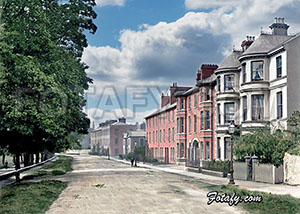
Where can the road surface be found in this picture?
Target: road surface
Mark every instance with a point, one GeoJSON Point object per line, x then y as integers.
{"type": "Point", "coordinates": [98, 185]}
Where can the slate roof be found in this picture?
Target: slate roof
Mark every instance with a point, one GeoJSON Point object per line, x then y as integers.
{"type": "Point", "coordinates": [232, 61]}
{"type": "Point", "coordinates": [138, 133]}
{"type": "Point", "coordinates": [163, 109]}
{"type": "Point", "coordinates": [265, 43]}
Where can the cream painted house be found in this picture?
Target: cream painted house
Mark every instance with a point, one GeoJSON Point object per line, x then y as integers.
{"type": "Point", "coordinates": [258, 84]}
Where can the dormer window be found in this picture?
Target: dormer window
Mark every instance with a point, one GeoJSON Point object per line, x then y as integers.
{"type": "Point", "coordinates": [257, 70]}
{"type": "Point", "coordinates": [228, 82]}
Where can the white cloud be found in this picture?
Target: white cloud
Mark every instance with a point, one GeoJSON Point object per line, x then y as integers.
{"type": "Point", "coordinates": [102, 3]}
{"type": "Point", "coordinates": [97, 115]}
{"type": "Point", "coordinates": [166, 52]}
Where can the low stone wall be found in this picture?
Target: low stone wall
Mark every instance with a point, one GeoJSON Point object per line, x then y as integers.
{"type": "Point", "coordinates": [267, 173]}
{"type": "Point", "coordinates": [240, 170]}
{"type": "Point", "coordinates": [291, 169]}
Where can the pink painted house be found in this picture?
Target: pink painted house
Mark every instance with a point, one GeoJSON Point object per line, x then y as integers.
{"type": "Point", "coordinates": [161, 128]}
{"type": "Point", "coordinates": [195, 115]}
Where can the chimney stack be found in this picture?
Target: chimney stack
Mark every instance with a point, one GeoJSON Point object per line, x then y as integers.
{"type": "Point", "coordinates": [206, 71]}
{"type": "Point", "coordinates": [246, 43]}
{"type": "Point", "coordinates": [279, 27]}
{"type": "Point", "coordinates": [198, 76]}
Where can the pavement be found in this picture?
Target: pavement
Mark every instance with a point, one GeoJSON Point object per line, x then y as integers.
{"type": "Point", "coordinates": [280, 189]}
{"type": "Point", "coordinates": [97, 185]}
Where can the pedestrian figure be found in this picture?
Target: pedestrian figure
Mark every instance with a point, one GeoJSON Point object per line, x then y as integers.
{"type": "Point", "coordinates": [132, 160]}
{"type": "Point", "coordinates": [6, 165]}
{"type": "Point", "coordinates": [135, 162]}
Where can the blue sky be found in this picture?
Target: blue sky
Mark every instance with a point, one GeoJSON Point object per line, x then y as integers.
{"type": "Point", "coordinates": [112, 19]}
{"type": "Point", "coordinates": [146, 45]}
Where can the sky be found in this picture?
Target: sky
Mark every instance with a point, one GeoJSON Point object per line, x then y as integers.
{"type": "Point", "coordinates": [142, 46]}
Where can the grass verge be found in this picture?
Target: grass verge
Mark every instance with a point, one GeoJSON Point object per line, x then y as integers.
{"type": "Point", "coordinates": [271, 203]}
{"type": "Point", "coordinates": [30, 197]}
{"type": "Point", "coordinates": [58, 167]}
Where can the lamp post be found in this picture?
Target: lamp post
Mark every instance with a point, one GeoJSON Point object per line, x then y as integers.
{"type": "Point", "coordinates": [231, 130]}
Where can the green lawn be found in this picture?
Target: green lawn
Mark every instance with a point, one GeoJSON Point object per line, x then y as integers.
{"type": "Point", "coordinates": [35, 197]}
{"type": "Point", "coordinates": [59, 167]}
{"type": "Point", "coordinates": [30, 198]}
{"type": "Point", "coordinates": [271, 203]}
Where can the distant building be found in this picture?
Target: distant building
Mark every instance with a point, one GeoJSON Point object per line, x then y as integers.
{"type": "Point", "coordinates": [108, 137]}
{"type": "Point", "coordinates": [132, 140]}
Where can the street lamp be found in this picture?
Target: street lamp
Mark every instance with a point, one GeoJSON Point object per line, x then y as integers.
{"type": "Point", "coordinates": [231, 130]}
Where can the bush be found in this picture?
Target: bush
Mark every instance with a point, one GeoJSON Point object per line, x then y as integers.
{"type": "Point", "coordinates": [130, 155]}
{"type": "Point", "coordinates": [220, 166]}
{"type": "Point", "coordinates": [155, 160]}
{"type": "Point", "coordinates": [269, 148]}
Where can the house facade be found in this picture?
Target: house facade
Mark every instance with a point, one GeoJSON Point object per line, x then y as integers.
{"type": "Point", "coordinates": [108, 137]}
{"type": "Point", "coordinates": [258, 85]}
{"type": "Point", "coordinates": [161, 128]}
{"type": "Point", "coordinates": [195, 116]}
{"type": "Point", "coordinates": [133, 140]}
{"type": "Point", "coordinates": [183, 128]}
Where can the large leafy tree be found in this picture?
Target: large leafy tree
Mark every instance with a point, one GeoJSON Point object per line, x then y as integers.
{"type": "Point", "coordinates": [42, 79]}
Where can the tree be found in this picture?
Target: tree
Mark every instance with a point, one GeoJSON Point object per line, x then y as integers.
{"type": "Point", "coordinates": [268, 147]}
{"type": "Point", "coordinates": [294, 132]}
{"type": "Point", "coordinates": [42, 78]}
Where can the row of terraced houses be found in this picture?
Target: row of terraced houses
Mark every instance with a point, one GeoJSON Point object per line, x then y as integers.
{"type": "Point", "coordinates": [254, 86]}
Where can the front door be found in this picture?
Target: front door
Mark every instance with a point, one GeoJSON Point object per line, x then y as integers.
{"type": "Point", "coordinates": [167, 155]}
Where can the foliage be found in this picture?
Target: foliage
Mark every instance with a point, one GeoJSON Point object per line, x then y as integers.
{"type": "Point", "coordinates": [30, 197]}
{"type": "Point", "coordinates": [141, 151]}
{"type": "Point", "coordinates": [268, 147]}
{"type": "Point", "coordinates": [42, 78]}
{"type": "Point", "coordinates": [220, 166]}
{"type": "Point", "coordinates": [130, 155]}
{"type": "Point", "coordinates": [294, 132]}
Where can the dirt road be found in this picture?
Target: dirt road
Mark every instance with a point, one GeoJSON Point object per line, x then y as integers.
{"type": "Point", "coordinates": [98, 185]}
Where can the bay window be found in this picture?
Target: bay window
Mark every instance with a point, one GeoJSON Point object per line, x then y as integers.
{"type": "Point", "coordinates": [228, 82]}
{"type": "Point", "coordinates": [257, 70]}
{"type": "Point", "coordinates": [257, 107]}
{"type": "Point", "coordinates": [228, 113]}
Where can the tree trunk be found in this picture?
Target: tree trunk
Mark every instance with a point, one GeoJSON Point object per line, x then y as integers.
{"type": "Point", "coordinates": [26, 159]}
{"type": "Point", "coordinates": [17, 166]}
{"type": "Point", "coordinates": [31, 159]}
{"type": "Point", "coordinates": [37, 158]}
{"type": "Point", "coordinates": [3, 159]}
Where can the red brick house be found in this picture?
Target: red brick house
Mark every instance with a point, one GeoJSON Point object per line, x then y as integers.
{"type": "Point", "coordinates": [195, 117]}
{"type": "Point", "coordinates": [183, 129]}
